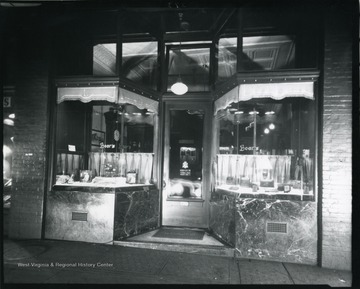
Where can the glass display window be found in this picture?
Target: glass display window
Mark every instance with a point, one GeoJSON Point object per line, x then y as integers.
{"type": "Point", "coordinates": [103, 143]}
{"type": "Point", "coordinates": [266, 146]}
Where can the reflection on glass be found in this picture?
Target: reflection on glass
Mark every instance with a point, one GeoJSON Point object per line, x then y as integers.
{"type": "Point", "coordinates": [104, 59]}
{"type": "Point", "coordinates": [185, 162]}
{"type": "Point", "coordinates": [140, 62]}
{"type": "Point", "coordinates": [268, 52]}
{"type": "Point", "coordinates": [268, 147]}
{"type": "Point", "coordinates": [227, 57]}
{"type": "Point", "coordinates": [8, 149]}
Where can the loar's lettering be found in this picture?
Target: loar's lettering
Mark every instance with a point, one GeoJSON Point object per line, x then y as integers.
{"type": "Point", "coordinates": [106, 146]}
{"type": "Point", "coordinates": [243, 148]}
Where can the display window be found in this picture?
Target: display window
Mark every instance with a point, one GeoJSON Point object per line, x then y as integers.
{"type": "Point", "coordinates": [266, 146]}
{"type": "Point", "coordinates": [101, 143]}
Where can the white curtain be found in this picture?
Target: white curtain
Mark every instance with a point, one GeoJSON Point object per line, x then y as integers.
{"type": "Point", "coordinates": [68, 163]}
{"type": "Point", "coordinates": [232, 168]}
{"type": "Point", "coordinates": [141, 163]}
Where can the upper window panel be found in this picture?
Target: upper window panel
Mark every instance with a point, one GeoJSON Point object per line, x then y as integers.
{"type": "Point", "coordinates": [227, 57]}
{"type": "Point", "coordinates": [192, 65]}
{"type": "Point", "coordinates": [271, 52]}
{"type": "Point", "coordinates": [140, 63]}
{"type": "Point", "coordinates": [104, 59]}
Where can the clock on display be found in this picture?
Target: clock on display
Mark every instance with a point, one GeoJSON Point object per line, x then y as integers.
{"type": "Point", "coordinates": [116, 135]}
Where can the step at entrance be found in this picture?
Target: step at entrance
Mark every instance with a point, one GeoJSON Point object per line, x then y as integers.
{"type": "Point", "coordinates": [187, 234]}
{"type": "Point", "coordinates": [185, 240]}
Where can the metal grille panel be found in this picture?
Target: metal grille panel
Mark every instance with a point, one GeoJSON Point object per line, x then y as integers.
{"type": "Point", "coordinates": [79, 216]}
{"type": "Point", "coordinates": [276, 227]}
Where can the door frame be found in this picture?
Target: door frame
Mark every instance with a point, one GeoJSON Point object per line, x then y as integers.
{"type": "Point", "coordinates": [204, 104]}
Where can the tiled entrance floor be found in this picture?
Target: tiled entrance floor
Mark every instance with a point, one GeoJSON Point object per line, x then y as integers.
{"type": "Point", "coordinates": [208, 240]}
{"type": "Point", "coordinates": [209, 245]}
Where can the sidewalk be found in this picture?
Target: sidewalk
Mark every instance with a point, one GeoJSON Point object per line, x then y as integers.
{"type": "Point", "coordinates": [59, 262]}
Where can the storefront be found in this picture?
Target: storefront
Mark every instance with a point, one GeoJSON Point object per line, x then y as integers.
{"type": "Point", "coordinates": [240, 168]}
{"type": "Point", "coordinates": [239, 155]}
{"type": "Point", "coordinates": [265, 195]}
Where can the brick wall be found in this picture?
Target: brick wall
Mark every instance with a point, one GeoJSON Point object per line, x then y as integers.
{"type": "Point", "coordinates": [337, 140]}
{"type": "Point", "coordinates": [30, 131]}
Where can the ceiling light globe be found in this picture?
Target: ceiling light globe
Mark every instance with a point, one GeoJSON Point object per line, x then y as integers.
{"type": "Point", "coordinates": [179, 88]}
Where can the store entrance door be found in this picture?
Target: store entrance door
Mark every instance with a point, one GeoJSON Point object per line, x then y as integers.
{"type": "Point", "coordinates": [186, 168]}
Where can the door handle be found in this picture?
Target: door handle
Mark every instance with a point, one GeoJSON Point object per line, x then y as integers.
{"type": "Point", "coordinates": [164, 184]}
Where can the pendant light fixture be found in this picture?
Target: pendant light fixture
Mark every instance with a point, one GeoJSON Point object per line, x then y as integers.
{"type": "Point", "coordinates": [179, 87]}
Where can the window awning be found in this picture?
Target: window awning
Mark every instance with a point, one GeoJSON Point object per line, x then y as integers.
{"type": "Point", "coordinates": [106, 93]}
{"type": "Point", "coordinates": [277, 91]}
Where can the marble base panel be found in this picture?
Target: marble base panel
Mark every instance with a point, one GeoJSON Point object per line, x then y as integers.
{"type": "Point", "coordinates": [80, 216]}
{"type": "Point", "coordinates": [222, 218]}
{"type": "Point", "coordinates": [136, 212]}
{"type": "Point", "coordinates": [254, 239]}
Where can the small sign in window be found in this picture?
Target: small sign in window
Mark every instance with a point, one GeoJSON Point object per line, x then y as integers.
{"type": "Point", "coordinates": [185, 172]}
{"type": "Point", "coordinates": [72, 148]}
{"type": "Point", "coordinates": [7, 101]}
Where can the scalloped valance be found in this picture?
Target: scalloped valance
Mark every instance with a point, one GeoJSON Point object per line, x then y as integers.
{"type": "Point", "coordinates": [142, 102]}
{"type": "Point", "coordinates": [277, 91]}
{"type": "Point", "coordinates": [228, 98]}
{"type": "Point", "coordinates": [106, 93]}
{"type": "Point", "coordinates": [87, 94]}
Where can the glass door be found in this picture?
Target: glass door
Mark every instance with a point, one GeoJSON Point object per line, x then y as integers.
{"type": "Point", "coordinates": [186, 165]}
